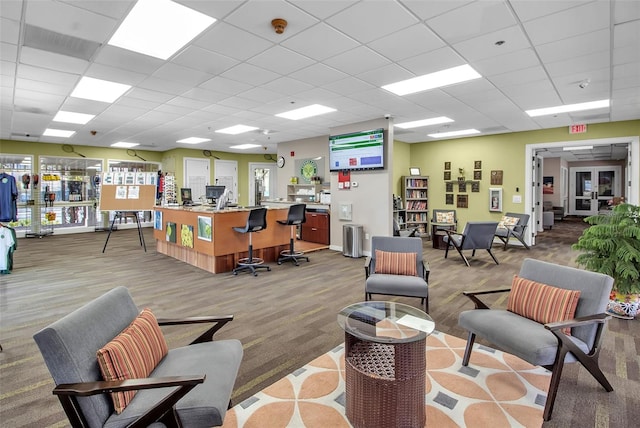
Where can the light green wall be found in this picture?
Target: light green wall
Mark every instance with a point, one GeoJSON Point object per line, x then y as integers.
{"type": "Point", "coordinates": [400, 164]}
{"type": "Point", "coordinates": [497, 152]}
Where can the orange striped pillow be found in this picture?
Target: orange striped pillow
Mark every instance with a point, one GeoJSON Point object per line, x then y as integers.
{"type": "Point", "coordinates": [133, 354]}
{"type": "Point", "coordinates": [395, 263]}
{"type": "Point", "coordinates": [542, 303]}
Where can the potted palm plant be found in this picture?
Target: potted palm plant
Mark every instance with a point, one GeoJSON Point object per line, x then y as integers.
{"type": "Point", "coordinates": [611, 245]}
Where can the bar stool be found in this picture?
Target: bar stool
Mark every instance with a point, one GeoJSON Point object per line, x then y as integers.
{"type": "Point", "coordinates": [295, 217]}
{"type": "Point", "coordinates": [256, 222]}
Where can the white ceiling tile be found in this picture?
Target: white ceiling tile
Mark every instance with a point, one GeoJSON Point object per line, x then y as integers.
{"type": "Point", "coordinates": [580, 45]}
{"type": "Point", "coordinates": [8, 52]}
{"type": "Point", "coordinates": [137, 103]}
{"type": "Point", "coordinates": [7, 70]}
{"type": "Point", "coordinates": [239, 103]}
{"type": "Point", "coordinates": [431, 8]}
{"type": "Point", "coordinates": [320, 42]}
{"type": "Point", "coordinates": [357, 60]}
{"type": "Point", "coordinates": [482, 47]}
{"type": "Point", "coordinates": [180, 74]}
{"type": "Point", "coordinates": [318, 74]}
{"type": "Point", "coordinates": [528, 10]}
{"type": "Point", "coordinates": [188, 103]}
{"type": "Point", "coordinates": [166, 86]}
{"type": "Point", "coordinates": [626, 10]}
{"type": "Point", "coordinates": [52, 61]}
{"type": "Point", "coordinates": [518, 77]}
{"type": "Point", "coordinates": [217, 9]}
{"type": "Point", "coordinates": [204, 60]}
{"type": "Point", "coordinates": [148, 95]}
{"type": "Point", "coordinates": [582, 64]}
{"type": "Point", "coordinates": [70, 20]}
{"type": "Point", "coordinates": [472, 20]}
{"type": "Point", "coordinates": [230, 41]}
{"type": "Point", "coordinates": [287, 86]}
{"type": "Point", "coordinates": [9, 31]}
{"type": "Point", "coordinates": [225, 86]}
{"type": "Point", "coordinates": [322, 9]}
{"type": "Point", "coordinates": [204, 95]}
{"type": "Point", "coordinates": [533, 95]}
{"type": "Point", "coordinates": [173, 110]}
{"type": "Point", "coordinates": [348, 86]}
{"type": "Point", "coordinates": [256, 17]}
{"type": "Point", "coordinates": [80, 105]}
{"type": "Point", "coordinates": [513, 61]}
{"type": "Point", "coordinates": [11, 9]}
{"type": "Point", "coordinates": [589, 17]}
{"type": "Point", "coordinates": [112, 74]}
{"type": "Point", "coordinates": [249, 74]}
{"type": "Point", "coordinates": [113, 9]}
{"type": "Point", "coordinates": [437, 60]}
{"type": "Point", "coordinates": [630, 70]}
{"type": "Point", "coordinates": [280, 60]}
{"type": "Point", "coordinates": [381, 76]}
{"type": "Point", "coordinates": [127, 60]}
{"type": "Point", "coordinates": [354, 21]}
{"type": "Point", "coordinates": [395, 48]}
{"type": "Point", "coordinates": [627, 34]}
{"type": "Point", "coordinates": [45, 87]}
{"type": "Point", "coordinates": [628, 54]}
{"type": "Point", "coordinates": [260, 95]}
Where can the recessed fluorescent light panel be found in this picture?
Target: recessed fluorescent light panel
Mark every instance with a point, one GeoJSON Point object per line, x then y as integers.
{"type": "Point", "coordinates": [423, 122]}
{"type": "Point", "coordinates": [124, 144]}
{"type": "Point", "coordinates": [455, 133]}
{"type": "Point", "coordinates": [99, 90]}
{"type": "Point", "coordinates": [304, 112]}
{"type": "Point", "coordinates": [438, 79]}
{"type": "Point", "coordinates": [57, 133]}
{"type": "Point", "coordinates": [236, 129]}
{"type": "Point", "coordinates": [159, 28]}
{"type": "Point", "coordinates": [568, 108]}
{"type": "Point", "coordinates": [193, 140]}
{"type": "Point", "coordinates": [570, 149]}
{"type": "Point", "coordinates": [244, 146]}
{"type": "Point", "coordinates": [71, 117]}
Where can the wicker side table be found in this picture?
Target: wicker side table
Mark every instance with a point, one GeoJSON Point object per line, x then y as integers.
{"type": "Point", "coordinates": [385, 364]}
{"type": "Point", "coordinates": [385, 383]}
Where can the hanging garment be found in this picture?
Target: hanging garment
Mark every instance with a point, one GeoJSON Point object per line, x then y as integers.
{"type": "Point", "coordinates": [8, 198]}
{"type": "Point", "coordinates": [8, 244]}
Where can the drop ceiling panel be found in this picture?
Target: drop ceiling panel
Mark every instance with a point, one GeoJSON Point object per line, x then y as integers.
{"type": "Point", "coordinates": [626, 11]}
{"type": "Point", "coordinates": [322, 9]}
{"type": "Point", "coordinates": [511, 63]}
{"type": "Point", "coordinates": [261, 95]}
{"type": "Point", "coordinates": [480, 17]}
{"type": "Point", "coordinates": [280, 60]}
{"type": "Point", "coordinates": [320, 42]}
{"type": "Point", "coordinates": [583, 44]}
{"type": "Point", "coordinates": [38, 86]}
{"type": "Point", "coordinates": [287, 86]}
{"type": "Point", "coordinates": [250, 74]}
{"type": "Point", "coordinates": [528, 10]}
{"type": "Point", "coordinates": [429, 9]}
{"type": "Point", "coordinates": [127, 60]}
{"type": "Point", "coordinates": [582, 64]}
{"type": "Point", "coordinates": [394, 46]}
{"type": "Point", "coordinates": [204, 60]}
{"type": "Point", "coordinates": [8, 52]}
{"type": "Point", "coordinates": [437, 60]}
{"type": "Point", "coordinates": [348, 86]}
{"type": "Point", "coordinates": [318, 74]}
{"type": "Point", "coordinates": [362, 20]}
{"type": "Point", "coordinates": [52, 61]}
{"type": "Point", "coordinates": [180, 74]}
{"type": "Point", "coordinates": [589, 17]}
{"type": "Point", "coordinates": [484, 46]}
{"type": "Point", "coordinates": [112, 74]}
{"type": "Point", "coordinates": [233, 42]}
{"type": "Point", "coordinates": [357, 60]}
{"type": "Point", "coordinates": [9, 30]}
{"type": "Point", "coordinates": [162, 85]}
{"type": "Point", "coordinates": [534, 95]}
{"type": "Point", "coordinates": [380, 76]}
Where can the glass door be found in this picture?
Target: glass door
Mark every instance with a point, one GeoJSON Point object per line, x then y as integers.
{"type": "Point", "coordinates": [592, 188]}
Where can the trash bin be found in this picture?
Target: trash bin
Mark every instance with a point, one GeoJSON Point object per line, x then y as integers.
{"type": "Point", "coordinates": [352, 235]}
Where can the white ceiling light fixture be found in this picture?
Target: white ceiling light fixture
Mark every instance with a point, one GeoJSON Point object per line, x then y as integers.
{"type": "Point", "coordinates": [159, 28]}
{"type": "Point", "coordinates": [454, 133]}
{"type": "Point", "coordinates": [568, 108]}
{"type": "Point", "coordinates": [99, 90]}
{"type": "Point", "coordinates": [62, 133]}
{"type": "Point", "coordinates": [124, 144]}
{"type": "Point", "coordinates": [438, 79]}
{"type": "Point", "coordinates": [423, 122]}
{"type": "Point", "coordinates": [193, 140]}
{"type": "Point", "coordinates": [304, 112]}
{"type": "Point", "coordinates": [570, 149]}
{"type": "Point", "coordinates": [244, 146]}
{"type": "Point", "coordinates": [236, 129]}
{"type": "Point", "coordinates": [71, 117]}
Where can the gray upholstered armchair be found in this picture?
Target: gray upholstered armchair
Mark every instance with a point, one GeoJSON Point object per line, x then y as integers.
{"type": "Point", "coordinates": [396, 267]}
{"type": "Point", "coordinates": [477, 235]}
{"type": "Point", "coordinates": [540, 344]}
{"type": "Point", "coordinates": [190, 387]}
{"type": "Point", "coordinates": [517, 230]}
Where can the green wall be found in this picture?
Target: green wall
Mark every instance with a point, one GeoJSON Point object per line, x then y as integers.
{"type": "Point", "coordinates": [401, 163]}
{"type": "Point", "coordinates": [504, 152]}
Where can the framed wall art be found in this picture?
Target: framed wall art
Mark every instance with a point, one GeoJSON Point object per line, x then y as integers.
{"type": "Point", "coordinates": [477, 175]}
{"type": "Point", "coordinates": [448, 198]}
{"type": "Point", "coordinates": [447, 166]}
{"type": "Point", "coordinates": [462, 186]}
{"type": "Point", "coordinates": [447, 175]}
{"type": "Point", "coordinates": [495, 199]}
{"type": "Point", "coordinates": [463, 201]}
{"type": "Point", "coordinates": [475, 186]}
{"type": "Point", "coordinates": [496, 177]}
{"type": "Point", "coordinates": [449, 186]}
{"type": "Point", "coordinates": [477, 165]}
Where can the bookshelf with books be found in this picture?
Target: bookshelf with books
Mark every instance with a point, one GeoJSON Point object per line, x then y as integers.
{"type": "Point", "coordinates": [415, 191]}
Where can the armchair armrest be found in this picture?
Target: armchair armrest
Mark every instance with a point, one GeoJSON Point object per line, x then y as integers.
{"type": "Point", "coordinates": [479, 304]}
{"type": "Point", "coordinates": [450, 232]}
{"type": "Point", "coordinates": [207, 336]}
{"type": "Point", "coordinates": [577, 322]}
{"type": "Point", "coordinates": [427, 269]}
{"type": "Point", "coordinates": [163, 410]}
{"type": "Point", "coordinates": [367, 266]}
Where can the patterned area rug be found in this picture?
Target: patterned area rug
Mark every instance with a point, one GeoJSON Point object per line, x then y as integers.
{"type": "Point", "coordinates": [496, 389]}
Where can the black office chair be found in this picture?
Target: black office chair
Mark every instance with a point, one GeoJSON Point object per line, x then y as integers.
{"type": "Point", "coordinates": [256, 222]}
{"type": "Point", "coordinates": [295, 217]}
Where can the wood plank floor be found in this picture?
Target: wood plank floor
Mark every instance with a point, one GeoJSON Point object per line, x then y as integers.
{"type": "Point", "coordinates": [284, 318]}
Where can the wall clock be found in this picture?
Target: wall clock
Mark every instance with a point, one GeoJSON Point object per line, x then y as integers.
{"type": "Point", "coordinates": [280, 161]}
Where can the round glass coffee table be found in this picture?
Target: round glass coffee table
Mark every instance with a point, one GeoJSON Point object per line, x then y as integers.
{"type": "Point", "coordinates": [385, 364]}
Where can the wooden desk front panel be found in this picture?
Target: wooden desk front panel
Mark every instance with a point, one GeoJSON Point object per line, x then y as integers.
{"type": "Point", "coordinates": [226, 245]}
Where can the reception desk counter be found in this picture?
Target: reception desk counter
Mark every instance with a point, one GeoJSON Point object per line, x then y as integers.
{"type": "Point", "coordinates": [205, 238]}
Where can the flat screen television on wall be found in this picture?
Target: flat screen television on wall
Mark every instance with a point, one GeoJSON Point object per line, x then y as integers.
{"type": "Point", "coordinates": [357, 151]}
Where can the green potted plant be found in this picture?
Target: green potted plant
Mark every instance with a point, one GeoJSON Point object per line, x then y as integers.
{"type": "Point", "coordinates": [611, 245]}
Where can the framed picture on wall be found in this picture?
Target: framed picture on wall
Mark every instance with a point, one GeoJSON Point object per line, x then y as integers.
{"type": "Point", "coordinates": [462, 186]}
{"type": "Point", "coordinates": [447, 166]}
{"type": "Point", "coordinates": [449, 186]}
{"type": "Point", "coordinates": [475, 186]}
{"type": "Point", "coordinates": [477, 175]}
{"type": "Point", "coordinates": [447, 175]}
{"type": "Point", "coordinates": [463, 201]}
{"type": "Point", "coordinates": [495, 199]}
{"type": "Point", "coordinates": [448, 198]}
{"type": "Point", "coordinates": [477, 165]}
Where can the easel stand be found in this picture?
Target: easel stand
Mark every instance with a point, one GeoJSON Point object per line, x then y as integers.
{"type": "Point", "coordinates": [121, 215]}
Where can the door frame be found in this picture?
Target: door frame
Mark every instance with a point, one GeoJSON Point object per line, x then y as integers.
{"type": "Point", "coordinates": [633, 167]}
{"type": "Point", "coordinates": [273, 175]}
{"type": "Point", "coordinates": [617, 169]}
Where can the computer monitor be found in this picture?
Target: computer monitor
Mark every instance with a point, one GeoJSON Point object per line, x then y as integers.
{"type": "Point", "coordinates": [185, 195]}
{"type": "Point", "coordinates": [214, 192]}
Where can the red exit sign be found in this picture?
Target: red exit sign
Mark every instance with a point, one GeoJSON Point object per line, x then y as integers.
{"type": "Point", "coordinates": [578, 129]}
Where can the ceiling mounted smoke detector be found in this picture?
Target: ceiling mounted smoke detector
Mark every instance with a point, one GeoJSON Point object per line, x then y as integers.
{"type": "Point", "coordinates": [279, 25]}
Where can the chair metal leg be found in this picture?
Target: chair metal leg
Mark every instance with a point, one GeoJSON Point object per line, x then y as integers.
{"type": "Point", "coordinates": [466, 262]}
{"type": "Point", "coordinates": [467, 351]}
{"type": "Point", "coordinates": [492, 256]}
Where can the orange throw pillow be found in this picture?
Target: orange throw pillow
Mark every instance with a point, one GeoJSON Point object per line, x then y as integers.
{"type": "Point", "coordinates": [395, 263]}
{"type": "Point", "coordinates": [133, 354]}
{"type": "Point", "coordinates": [542, 303]}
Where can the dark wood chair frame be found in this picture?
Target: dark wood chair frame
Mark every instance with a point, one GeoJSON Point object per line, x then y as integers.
{"type": "Point", "coordinates": [425, 275]}
{"type": "Point", "coordinates": [164, 411]}
{"type": "Point", "coordinates": [565, 345]}
{"type": "Point", "coordinates": [451, 243]}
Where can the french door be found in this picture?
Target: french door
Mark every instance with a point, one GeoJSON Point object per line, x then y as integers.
{"type": "Point", "coordinates": [591, 188]}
